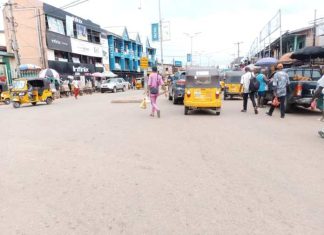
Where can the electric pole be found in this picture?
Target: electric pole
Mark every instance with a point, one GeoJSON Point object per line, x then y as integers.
{"type": "Point", "coordinates": [238, 48]}
{"type": "Point", "coordinates": [13, 36]}
{"type": "Point", "coordinates": [314, 30]}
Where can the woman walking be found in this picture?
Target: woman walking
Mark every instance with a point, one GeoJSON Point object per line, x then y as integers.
{"type": "Point", "coordinates": [261, 77]}
{"type": "Point", "coordinates": [154, 81]}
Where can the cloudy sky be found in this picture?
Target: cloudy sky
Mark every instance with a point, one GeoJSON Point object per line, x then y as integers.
{"type": "Point", "coordinates": [221, 23]}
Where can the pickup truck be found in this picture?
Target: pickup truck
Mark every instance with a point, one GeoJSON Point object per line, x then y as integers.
{"type": "Point", "coordinates": [303, 82]}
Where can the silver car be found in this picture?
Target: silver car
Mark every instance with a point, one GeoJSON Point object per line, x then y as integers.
{"type": "Point", "coordinates": [113, 84]}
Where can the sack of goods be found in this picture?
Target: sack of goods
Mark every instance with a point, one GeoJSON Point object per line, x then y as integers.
{"type": "Point", "coordinates": [254, 84]}
{"type": "Point", "coordinates": [143, 104]}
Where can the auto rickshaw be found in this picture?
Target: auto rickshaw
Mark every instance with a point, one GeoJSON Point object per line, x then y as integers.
{"type": "Point", "coordinates": [233, 84]}
{"type": "Point", "coordinates": [138, 83]}
{"type": "Point", "coordinates": [4, 93]}
{"type": "Point", "coordinates": [202, 90]}
{"type": "Point", "coordinates": [31, 90]}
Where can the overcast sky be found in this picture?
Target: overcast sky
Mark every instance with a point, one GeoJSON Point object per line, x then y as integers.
{"type": "Point", "coordinates": [221, 23]}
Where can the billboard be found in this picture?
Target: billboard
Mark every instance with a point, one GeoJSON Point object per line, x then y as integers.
{"type": "Point", "coordinates": [155, 32]}
{"type": "Point", "coordinates": [86, 48]}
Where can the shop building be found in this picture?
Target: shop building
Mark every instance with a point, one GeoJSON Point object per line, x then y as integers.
{"type": "Point", "coordinates": [125, 54]}
{"type": "Point", "coordinates": [151, 54]}
{"type": "Point", "coordinates": [57, 39]}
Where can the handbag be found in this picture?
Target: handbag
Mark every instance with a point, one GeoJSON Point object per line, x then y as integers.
{"type": "Point", "coordinates": [275, 102]}
{"type": "Point", "coordinates": [155, 90]}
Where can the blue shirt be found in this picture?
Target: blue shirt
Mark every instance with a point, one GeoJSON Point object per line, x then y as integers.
{"type": "Point", "coordinates": [280, 83]}
{"type": "Point", "coordinates": [263, 84]}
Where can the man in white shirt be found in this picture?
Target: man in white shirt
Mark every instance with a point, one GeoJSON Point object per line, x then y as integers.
{"type": "Point", "coordinates": [245, 84]}
{"type": "Point", "coordinates": [319, 95]}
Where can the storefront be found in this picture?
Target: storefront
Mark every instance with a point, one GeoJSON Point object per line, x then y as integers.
{"type": "Point", "coordinates": [74, 44]}
{"type": "Point", "coordinates": [5, 67]}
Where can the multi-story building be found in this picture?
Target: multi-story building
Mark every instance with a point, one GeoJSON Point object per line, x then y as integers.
{"type": "Point", "coordinates": [125, 54]}
{"type": "Point", "coordinates": [150, 53]}
{"type": "Point", "coordinates": [49, 37]}
{"type": "Point", "coordinates": [7, 61]}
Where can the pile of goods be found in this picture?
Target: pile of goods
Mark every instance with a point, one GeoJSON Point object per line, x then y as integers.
{"type": "Point", "coordinates": [301, 78]}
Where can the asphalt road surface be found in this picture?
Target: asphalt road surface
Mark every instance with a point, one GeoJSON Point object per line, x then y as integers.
{"type": "Point", "coordinates": [88, 166]}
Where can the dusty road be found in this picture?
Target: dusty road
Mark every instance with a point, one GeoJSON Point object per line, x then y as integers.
{"type": "Point", "coordinates": [92, 167]}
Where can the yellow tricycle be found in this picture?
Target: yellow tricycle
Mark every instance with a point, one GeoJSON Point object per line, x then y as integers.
{"type": "Point", "coordinates": [31, 90]}
{"type": "Point", "coordinates": [233, 84]}
{"type": "Point", "coordinates": [202, 90]}
{"type": "Point", "coordinates": [4, 93]}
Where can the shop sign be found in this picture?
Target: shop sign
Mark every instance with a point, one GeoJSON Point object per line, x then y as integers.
{"type": "Point", "coordinates": [71, 68]}
{"type": "Point", "coordinates": [58, 42]}
{"type": "Point", "coordinates": [86, 48]}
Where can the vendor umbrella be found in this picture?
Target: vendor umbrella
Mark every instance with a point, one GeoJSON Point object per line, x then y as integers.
{"type": "Point", "coordinates": [49, 73]}
{"type": "Point", "coordinates": [267, 61]}
{"type": "Point", "coordinates": [308, 53]}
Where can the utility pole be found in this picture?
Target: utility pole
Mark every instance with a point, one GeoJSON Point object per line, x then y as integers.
{"type": "Point", "coordinates": [314, 29]}
{"type": "Point", "coordinates": [238, 48]}
{"type": "Point", "coordinates": [13, 37]}
{"type": "Point", "coordinates": [191, 36]}
{"type": "Point", "coordinates": [161, 36]}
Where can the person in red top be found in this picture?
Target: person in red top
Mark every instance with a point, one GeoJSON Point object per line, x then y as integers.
{"type": "Point", "coordinates": [154, 81]}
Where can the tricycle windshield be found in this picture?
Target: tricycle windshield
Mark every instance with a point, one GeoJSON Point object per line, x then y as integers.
{"type": "Point", "coordinates": [233, 79]}
{"type": "Point", "coordinates": [18, 84]}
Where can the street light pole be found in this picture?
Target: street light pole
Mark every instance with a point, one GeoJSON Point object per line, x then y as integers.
{"type": "Point", "coordinates": [161, 36]}
{"type": "Point", "coordinates": [191, 36]}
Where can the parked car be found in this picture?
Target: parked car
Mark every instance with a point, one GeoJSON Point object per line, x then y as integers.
{"type": "Point", "coordinates": [303, 82]}
{"type": "Point", "coordinates": [125, 83]}
{"type": "Point", "coordinates": [176, 87]}
{"type": "Point", "coordinates": [112, 84]}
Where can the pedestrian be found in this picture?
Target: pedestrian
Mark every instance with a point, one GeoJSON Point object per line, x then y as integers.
{"type": "Point", "coordinates": [154, 81]}
{"type": "Point", "coordinates": [134, 82]}
{"type": "Point", "coordinates": [319, 92]}
{"type": "Point", "coordinates": [76, 88]}
{"type": "Point", "coordinates": [247, 92]}
{"type": "Point", "coordinates": [280, 84]}
{"type": "Point", "coordinates": [262, 79]}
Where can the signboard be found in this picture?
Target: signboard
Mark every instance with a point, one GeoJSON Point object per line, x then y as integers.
{"type": "Point", "coordinates": [189, 58]}
{"type": "Point", "coordinates": [273, 25]}
{"type": "Point", "coordinates": [58, 42]}
{"type": "Point", "coordinates": [144, 63]}
{"type": "Point", "coordinates": [178, 63]}
{"type": "Point", "coordinates": [71, 68]}
{"type": "Point", "coordinates": [155, 32]}
{"type": "Point", "coordinates": [166, 34]}
{"type": "Point", "coordinates": [86, 48]}
{"type": "Point", "coordinates": [105, 50]}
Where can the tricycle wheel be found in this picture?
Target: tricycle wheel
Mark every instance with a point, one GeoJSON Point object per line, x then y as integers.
{"type": "Point", "coordinates": [7, 101]}
{"type": "Point", "coordinates": [217, 113]}
{"type": "Point", "coordinates": [49, 100]}
{"type": "Point", "coordinates": [16, 105]}
{"type": "Point", "coordinates": [186, 110]}
{"type": "Point", "coordinates": [34, 103]}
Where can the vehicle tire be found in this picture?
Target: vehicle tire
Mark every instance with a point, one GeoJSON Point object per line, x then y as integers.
{"type": "Point", "coordinates": [49, 100]}
{"type": "Point", "coordinates": [102, 91]}
{"type": "Point", "coordinates": [7, 101]}
{"type": "Point", "coordinates": [186, 110]}
{"type": "Point", "coordinates": [174, 100]}
{"type": "Point", "coordinates": [124, 89]}
{"type": "Point", "coordinates": [231, 97]}
{"type": "Point", "coordinates": [16, 105]}
{"type": "Point", "coordinates": [114, 90]}
{"type": "Point", "coordinates": [217, 113]}
{"type": "Point", "coordinates": [34, 103]}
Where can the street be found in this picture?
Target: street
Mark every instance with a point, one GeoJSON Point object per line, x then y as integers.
{"type": "Point", "coordinates": [89, 166]}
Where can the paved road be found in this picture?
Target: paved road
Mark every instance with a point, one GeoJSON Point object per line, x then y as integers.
{"type": "Point", "coordinates": [91, 167]}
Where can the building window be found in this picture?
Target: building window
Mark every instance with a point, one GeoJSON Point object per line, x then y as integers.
{"type": "Point", "coordinates": [61, 56]}
{"type": "Point", "coordinates": [55, 25]}
{"type": "Point", "coordinates": [81, 32]}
